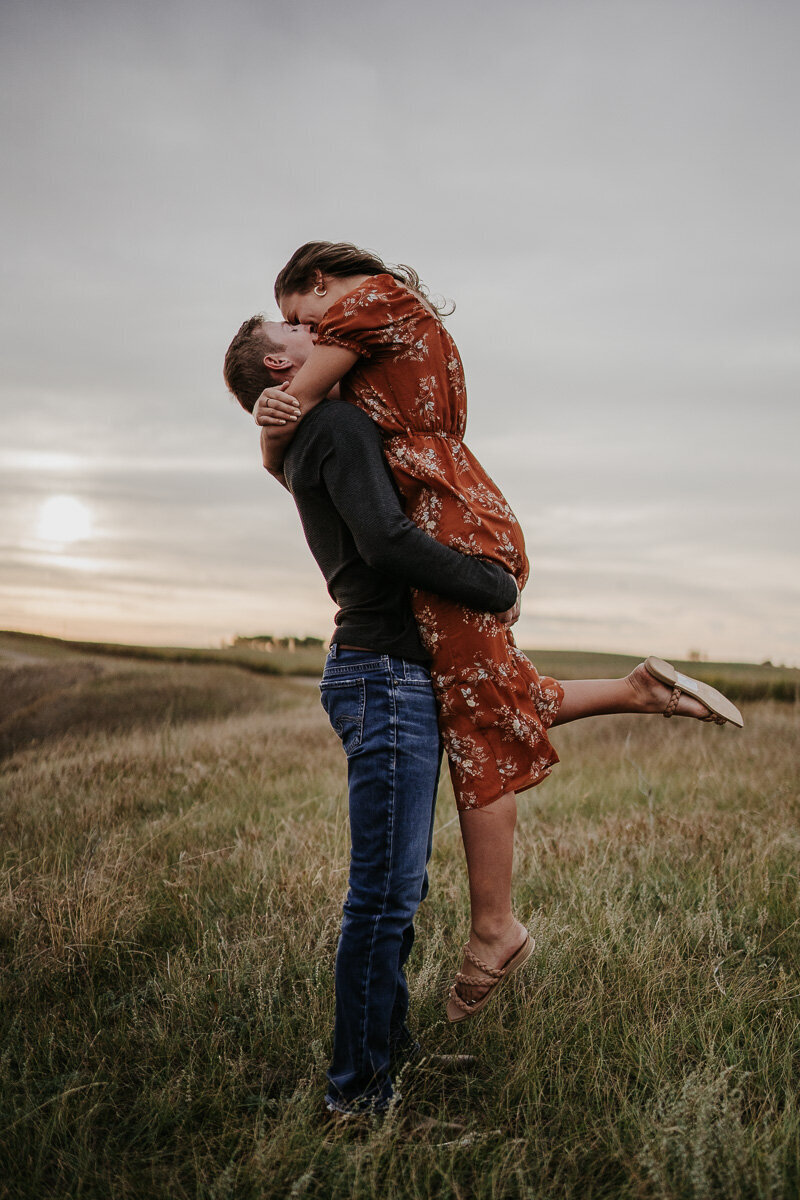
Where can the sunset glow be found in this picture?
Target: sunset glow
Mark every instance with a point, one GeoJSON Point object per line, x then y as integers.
{"type": "Point", "coordinates": [64, 519]}
{"type": "Point", "coordinates": [609, 197]}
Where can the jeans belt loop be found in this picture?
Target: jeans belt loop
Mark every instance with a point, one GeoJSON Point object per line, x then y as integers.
{"type": "Point", "coordinates": [333, 648]}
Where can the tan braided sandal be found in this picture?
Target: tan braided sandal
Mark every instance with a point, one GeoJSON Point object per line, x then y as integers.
{"type": "Point", "coordinates": [459, 1009]}
{"type": "Point", "coordinates": [720, 709]}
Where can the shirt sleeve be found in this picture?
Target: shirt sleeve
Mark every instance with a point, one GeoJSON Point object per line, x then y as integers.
{"type": "Point", "coordinates": [373, 317]}
{"type": "Point", "coordinates": [359, 483]}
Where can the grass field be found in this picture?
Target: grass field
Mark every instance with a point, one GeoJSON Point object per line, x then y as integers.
{"type": "Point", "coordinates": [175, 850]}
{"type": "Point", "coordinates": [743, 681]}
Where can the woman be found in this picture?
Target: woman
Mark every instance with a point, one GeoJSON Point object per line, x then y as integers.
{"type": "Point", "coordinates": [382, 339]}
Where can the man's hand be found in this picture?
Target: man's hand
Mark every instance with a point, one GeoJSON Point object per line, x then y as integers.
{"type": "Point", "coordinates": [275, 406]}
{"type": "Point", "coordinates": [511, 615]}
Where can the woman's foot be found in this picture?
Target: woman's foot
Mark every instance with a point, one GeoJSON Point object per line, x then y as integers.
{"type": "Point", "coordinates": [660, 688]}
{"type": "Point", "coordinates": [653, 696]}
{"type": "Point", "coordinates": [495, 952]}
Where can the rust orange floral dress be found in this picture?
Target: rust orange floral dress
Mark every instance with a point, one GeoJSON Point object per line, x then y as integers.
{"type": "Point", "coordinates": [494, 708]}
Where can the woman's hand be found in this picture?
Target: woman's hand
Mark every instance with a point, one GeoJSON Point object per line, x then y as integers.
{"type": "Point", "coordinates": [275, 406]}
{"type": "Point", "coordinates": [511, 615]}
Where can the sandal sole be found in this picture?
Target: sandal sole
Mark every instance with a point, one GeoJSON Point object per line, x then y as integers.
{"type": "Point", "coordinates": [714, 701]}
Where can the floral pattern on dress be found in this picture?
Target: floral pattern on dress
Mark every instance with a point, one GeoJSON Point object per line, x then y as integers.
{"type": "Point", "coordinates": [494, 707]}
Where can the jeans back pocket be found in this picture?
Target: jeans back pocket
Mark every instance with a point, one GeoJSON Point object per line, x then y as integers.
{"type": "Point", "coordinates": [345, 703]}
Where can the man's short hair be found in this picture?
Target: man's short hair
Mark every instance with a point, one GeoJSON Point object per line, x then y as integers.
{"type": "Point", "coordinates": [244, 371]}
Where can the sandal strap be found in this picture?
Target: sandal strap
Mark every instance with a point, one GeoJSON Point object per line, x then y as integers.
{"type": "Point", "coordinates": [672, 703]}
{"type": "Point", "coordinates": [463, 1004]}
{"type": "Point", "coordinates": [493, 972]}
{"type": "Point", "coordinates": [473, 980]}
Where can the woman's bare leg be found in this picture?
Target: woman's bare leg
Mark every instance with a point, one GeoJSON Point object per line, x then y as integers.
{"type": "Point", "coordinates": [495, 934]}
{"type": "Point", "coordinates": [488, 832]}
{"type": "Point", "coordinates": [488, 835]}
{"type": "Point", "coordinates": [638, 692]}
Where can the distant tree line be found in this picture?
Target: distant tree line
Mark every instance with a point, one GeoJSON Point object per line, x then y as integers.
{"type": "Point", "coordinates": [268, 642]}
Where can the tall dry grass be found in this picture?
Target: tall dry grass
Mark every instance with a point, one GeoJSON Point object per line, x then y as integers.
{"type": "Point", "coordinates": [168, 918]}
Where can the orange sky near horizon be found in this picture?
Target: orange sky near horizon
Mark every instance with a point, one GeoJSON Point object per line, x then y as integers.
{"type": "Point", "coordinates": [610, 197]}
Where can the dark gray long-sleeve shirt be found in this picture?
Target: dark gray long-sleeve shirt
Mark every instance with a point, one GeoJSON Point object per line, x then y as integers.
{"type": "Point", "coordinates": [368, 550]}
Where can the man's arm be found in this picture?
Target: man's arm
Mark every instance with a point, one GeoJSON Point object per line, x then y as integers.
{"type": "Point", "coordinates": [358, 481]}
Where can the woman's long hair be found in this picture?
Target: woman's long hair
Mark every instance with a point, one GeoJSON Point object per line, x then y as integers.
{"type": "Point", "coordinates": [341, 259]}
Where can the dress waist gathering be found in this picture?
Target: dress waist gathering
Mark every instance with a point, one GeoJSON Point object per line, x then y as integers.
{"type": "Point", "coordinates": [423, 433]}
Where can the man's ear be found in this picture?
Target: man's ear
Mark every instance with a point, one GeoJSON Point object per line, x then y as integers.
{"type": "Point", "coordinates": [277, 362]}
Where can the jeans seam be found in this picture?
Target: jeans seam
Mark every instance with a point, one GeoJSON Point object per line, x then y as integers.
{"type": "Point", "coordinates": [387, 870]}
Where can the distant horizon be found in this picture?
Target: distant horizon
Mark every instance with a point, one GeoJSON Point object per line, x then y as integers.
{"type": "Point", "coordinates": [608, 192]}
{"type": "Point", "coordinates": [227, 643]}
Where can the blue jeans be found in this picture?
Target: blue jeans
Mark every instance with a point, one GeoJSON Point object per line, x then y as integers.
{"type": "Point", "coordinates": [384, 711]}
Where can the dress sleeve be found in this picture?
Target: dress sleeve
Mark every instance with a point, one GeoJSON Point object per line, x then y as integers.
{"type": "Point", "coordinates": [373, 317]}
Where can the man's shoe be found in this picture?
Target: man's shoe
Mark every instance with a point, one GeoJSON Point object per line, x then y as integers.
{"type": "Point", "coordinates": [368, 1107]}
{"type": "Point", "coordinates": [354, 1118]}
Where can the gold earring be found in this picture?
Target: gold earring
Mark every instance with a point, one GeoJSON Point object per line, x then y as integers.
{"type": "Point", "coordinates": [320, 290]}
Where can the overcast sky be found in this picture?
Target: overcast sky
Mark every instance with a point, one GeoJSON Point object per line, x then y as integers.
{"type": "Point", "coordinates": [609, 191]}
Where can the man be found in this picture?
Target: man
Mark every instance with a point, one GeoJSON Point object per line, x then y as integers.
{"type": "Point", "coordinates": [377, 692]}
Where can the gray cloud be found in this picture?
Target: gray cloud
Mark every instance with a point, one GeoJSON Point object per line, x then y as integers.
{"type": "Point", "coordinates": [609, 192]}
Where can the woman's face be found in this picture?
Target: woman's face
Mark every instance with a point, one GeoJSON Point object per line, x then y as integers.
{"type": "Point", "coordinates": [305, 308]}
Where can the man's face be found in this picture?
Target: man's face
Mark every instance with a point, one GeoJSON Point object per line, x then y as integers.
{"type": "Point", "coordinates": [297, 340]}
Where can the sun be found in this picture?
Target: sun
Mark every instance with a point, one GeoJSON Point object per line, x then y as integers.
{"type": "Point", "coordinates": [64, 519]}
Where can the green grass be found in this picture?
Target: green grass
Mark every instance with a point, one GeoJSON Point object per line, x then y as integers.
{"type": "Point", "coordinates": [741, 681]}
{"type": "Point", "coordinates": [171, 892]}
